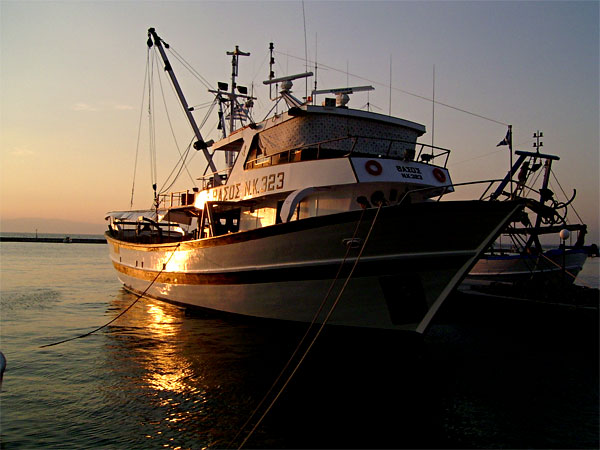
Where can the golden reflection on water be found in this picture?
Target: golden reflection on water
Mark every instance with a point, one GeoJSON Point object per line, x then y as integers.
{"type": "Point", "coordinates": [168, 370]}
{"type": "Point", "coordinates": [169, 366]}
{"type": "Point", "coordinates": [168, 374]}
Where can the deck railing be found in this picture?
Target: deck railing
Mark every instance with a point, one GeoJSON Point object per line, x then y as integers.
{"type": "Point", "coordinates": [323, 150]}
{"type": "Point", "coordinates": [177, 198]}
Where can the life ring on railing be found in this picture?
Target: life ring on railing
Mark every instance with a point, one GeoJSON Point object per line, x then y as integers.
{"type": "Point", "coordinates": [439, 175]}
{"type": "Point", "coordinates": [373, 167]}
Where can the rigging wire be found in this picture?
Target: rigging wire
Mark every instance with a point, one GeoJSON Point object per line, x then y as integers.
{"type": "Point", "coordinates": [139, 296]}
{"type": "Point", "coordinates": [152, 131]}
{"type": "Point", "coordinates": [566, 197]}
{"type": "Point", "coordinates": [330, 312]}
{"type": "Point", "coordinates": [260, 67]}
{"type": "Point", "coordinates": [202, 105]}
{"type": "Point", "coordinates": [306, 334]}
{"type": "Point", "coordinates": [181, 166]}
{"type": "Point", "coordinates": [530, 187]}
{"type": "Point", "coordinates": [305, 51]}
{"type": "Point", "coordinates": [151, 124]}
{"type": "Point", "coordinates": [193, 154]}
{"type": "Point", "coordinates": [190, 68]}
{"type": "Point", "coordinates": [137, 145]}
{"type": "Point", "coordinates": [272, 108]}
{"type": "Point", "coordinates": [480, 156]}
{"type": "Point", "coordinates": [185, 154]}
{"type": "Point", "coordinates": [172, 131]}
{"type": "Point", "coordinates": [422, 97]}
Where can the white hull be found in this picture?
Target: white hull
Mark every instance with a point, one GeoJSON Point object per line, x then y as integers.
{"type": "Point", "coordinates": [409, 266]}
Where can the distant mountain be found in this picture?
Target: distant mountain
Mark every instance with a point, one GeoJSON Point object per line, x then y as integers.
{"type": "Point", "coordinates": [30, 224]}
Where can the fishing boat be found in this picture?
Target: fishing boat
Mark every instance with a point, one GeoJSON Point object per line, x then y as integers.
{"type": "Point", "coordinates": [526, 260]}
{"type": "Point", "coordinates": [322, 213]}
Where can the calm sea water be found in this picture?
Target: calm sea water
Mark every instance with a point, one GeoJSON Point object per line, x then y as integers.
{"type": "Point", "coordinates": [161, 378]}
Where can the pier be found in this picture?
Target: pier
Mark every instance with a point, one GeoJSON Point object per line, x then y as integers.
{"type": "Point", "coordinates": [58, 240]}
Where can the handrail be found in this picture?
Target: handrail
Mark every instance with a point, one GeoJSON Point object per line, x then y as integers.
{"type": "Point", "coordinates": [446, 188]}
{"type": "Point", "coordinates": [177, 198]}
{"type": "Point", "coordinates": [267, 160]}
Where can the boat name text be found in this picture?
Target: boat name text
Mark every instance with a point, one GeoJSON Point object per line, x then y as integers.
{"type": "Point", "coordinates": [267, 183]}
{"type": "Point", "coordinates": [410, 172]}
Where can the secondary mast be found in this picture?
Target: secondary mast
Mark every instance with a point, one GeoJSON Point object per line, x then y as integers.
{"type": "Point", "coordinates": [235, 109]}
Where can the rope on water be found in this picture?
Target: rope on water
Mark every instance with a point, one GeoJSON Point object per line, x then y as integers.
{"type": "Point", "coordinates": [331, 310]}
{"type": "Point", "coordinates": [139, 296]}
{"type": "Point", "coordinates": [299, 346]}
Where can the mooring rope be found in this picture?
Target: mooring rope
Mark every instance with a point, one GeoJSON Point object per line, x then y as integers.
{"type": "Point", "coordinates": [305, 354]}
{"type": "Point", "coordinates": [565, 270]}
{"type": "Point", "coordinates": [299, 346]}
{"type": "Point", "coordinates": [139, 296]}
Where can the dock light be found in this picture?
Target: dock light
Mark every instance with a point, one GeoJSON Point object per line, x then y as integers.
{"type": "Point", "coordinates": [564, 234]}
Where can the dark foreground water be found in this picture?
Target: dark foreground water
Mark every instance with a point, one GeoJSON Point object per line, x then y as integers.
{"type": "Point", "coordinates": [486, 376]}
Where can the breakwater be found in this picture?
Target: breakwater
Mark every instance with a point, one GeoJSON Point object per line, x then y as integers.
{"type": "Point", "coordinates": [66, 240]}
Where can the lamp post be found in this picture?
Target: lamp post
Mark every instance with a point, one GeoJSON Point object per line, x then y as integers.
{"type": "Point", "coordinates": [564, 235]}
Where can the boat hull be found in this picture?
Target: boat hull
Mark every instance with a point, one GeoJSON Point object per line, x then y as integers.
{"type": "Point", "coordinates": [415, 256]}
{"type": "Point", "coordinates": [514, 268]}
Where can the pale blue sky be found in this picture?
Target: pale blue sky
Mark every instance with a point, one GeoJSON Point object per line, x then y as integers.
{"type": "Point", "coordinates": [71, 80]}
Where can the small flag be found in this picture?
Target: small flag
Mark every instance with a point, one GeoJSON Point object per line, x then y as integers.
{"type": "Point", "coordinates": [507, 140]}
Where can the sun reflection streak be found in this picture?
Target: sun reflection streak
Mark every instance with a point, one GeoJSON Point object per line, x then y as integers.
{"type": "Point", "coordinates": [167, 371]}
{"type": "Point", "coordinates": [178, 261]}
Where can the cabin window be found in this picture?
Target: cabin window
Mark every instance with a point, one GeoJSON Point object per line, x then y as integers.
{"type": "Point", "coordinates": [258, 217]}
{"type": "Point", "coordinates": [227, 221]}
{"type": "Point", "coordinates": [278, 213]}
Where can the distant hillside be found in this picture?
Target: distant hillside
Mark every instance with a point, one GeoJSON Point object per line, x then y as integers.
{"type": "Point", "coordinates": [30, 224]}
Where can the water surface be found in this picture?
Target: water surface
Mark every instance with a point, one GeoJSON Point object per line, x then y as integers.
{"type": "Point", "coordinates": [159, 377]}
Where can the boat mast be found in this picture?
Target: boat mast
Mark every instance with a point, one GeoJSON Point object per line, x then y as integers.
{"type": "Point", "coordinates": [545, 193]}
{"type": "Point", "coordinates": [199, 144]}
{"type": "Point", "coordinates": [229, 156]}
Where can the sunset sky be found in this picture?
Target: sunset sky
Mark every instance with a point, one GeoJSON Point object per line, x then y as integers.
{"type": "Point", "coordinates": [72, 77]}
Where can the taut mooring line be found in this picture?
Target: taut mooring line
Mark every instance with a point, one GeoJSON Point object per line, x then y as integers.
{"type": "Point", "coordinates": [305, 354]}
{"type": "Point", "coordinates": [139, 296]}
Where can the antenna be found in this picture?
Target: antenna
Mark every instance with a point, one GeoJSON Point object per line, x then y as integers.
{"type": "Point", "coordinates": [288, 78]}
{"type": "Point", "coordinates": [314, 100]}
{"type": "Point", "coordinates": [305, 52]}
{"type": "Point", "coordinates": [286, 86]}
{"type": "Point", "coordinates": [341, 94]}
{"type": "Point", "coordinates": [344, 90]}
{"type": "Point", "coordinates": [433, 112]}
{"type": "Point", "coordinates": [369, 105]}
{"type": "Point", "coordinates": [390, 111]}
{"type": "Point", "coordinates": [234, 73]}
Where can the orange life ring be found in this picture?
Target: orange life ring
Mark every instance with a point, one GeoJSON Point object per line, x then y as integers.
{"type": "Point", "coordinates": [439, 175]}
{"type": "Point", "coordinates": [373, 167]}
